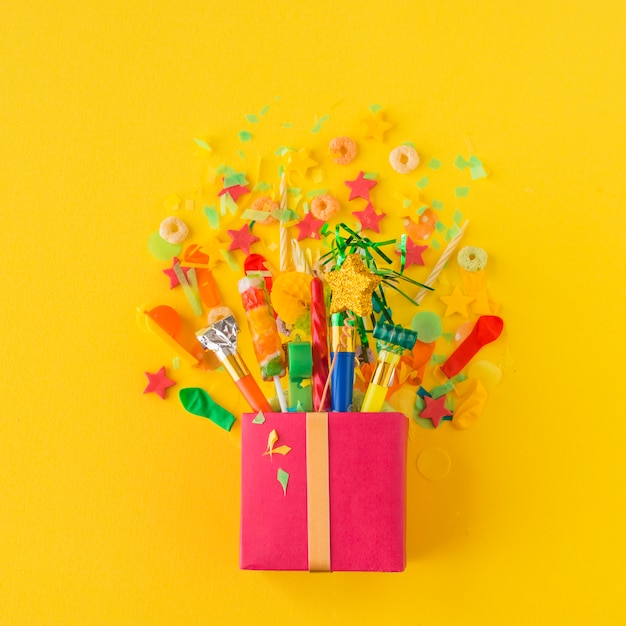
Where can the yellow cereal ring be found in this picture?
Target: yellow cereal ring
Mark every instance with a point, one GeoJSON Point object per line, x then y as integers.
{"type": "Point", "coordinates": [404, 159]}
{"type": "Point", "coordinates": [344, 150]}
{"type": "Point", "coordinates": [265, 203]}
{"type": "Point", "coordinates": [173, 230]}
{"type": "Point", "coordinates": [324, 207]}
{"type": "Point", "coordinates": [472, 259]}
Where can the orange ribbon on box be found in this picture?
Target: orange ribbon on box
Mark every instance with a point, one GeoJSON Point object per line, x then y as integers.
{"type": "Point", "coordinates": [318, 493]}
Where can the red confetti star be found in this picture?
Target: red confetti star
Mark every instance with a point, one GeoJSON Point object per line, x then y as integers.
{"type": "Point", "coordinates": [235, 191]}
{"type": "Point", "coordinates": [172, 275]}
{"type": "Point", "coordinates": [369, 218]}
{"type": "Point", "coordinates": [309, 227]}
{"type": "Point", "coordinates": [360, 187]}
{"type": "Point", "coordinates": [159, 382]}
{"type": "Point", "coordinates": [435, 409]}
{"type": "Point", "coordinates": [413, 253]}
{"type": "Point", "coordinates": [242, 239]}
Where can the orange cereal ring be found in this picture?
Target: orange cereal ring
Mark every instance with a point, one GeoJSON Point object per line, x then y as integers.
{"type": "Point", "coordinates": [324, 207]}
{"type": "Point", "coordinates": [344, 148]}
{"type": "Point", "coordinates": [265, 203]}
{"type": "Point", "coordinates": [404, 159]}
{"type": "Point", "coordinates": [173, 230]}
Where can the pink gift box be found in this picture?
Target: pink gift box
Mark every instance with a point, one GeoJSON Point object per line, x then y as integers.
{"type": "Point", "coordinates": [366, 461]}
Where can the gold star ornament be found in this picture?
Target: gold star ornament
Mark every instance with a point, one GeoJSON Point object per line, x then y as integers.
{"type": "Point", "coordinates": [352, 286]}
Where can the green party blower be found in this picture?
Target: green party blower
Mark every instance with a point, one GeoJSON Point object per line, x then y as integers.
{"type": "Point", "coordinates": [392, 341]}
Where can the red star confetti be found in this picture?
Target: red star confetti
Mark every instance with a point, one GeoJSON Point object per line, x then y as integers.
{"type": "Point", "coordinates": [435, 409]}
{"type": "Point", "coordinates": [309, 227]}
{"type": "Point", "coordinates": [413, 253]}
{"type": "Point", "coordinates": [360, 187]}
{"type": "Point", "coordinates": [159, 382]}
{"type": "Point", "coordinates": [369, 218]}
{"type": "Point", "coordinates": [172, 275]}
{"type": "Point", "coordinates": [242, 239]}
{"type": "Point", "coordinates": [234, 192]}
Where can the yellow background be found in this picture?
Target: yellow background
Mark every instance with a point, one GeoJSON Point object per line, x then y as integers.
{"type": "Point", "coordinates": [118, 510]}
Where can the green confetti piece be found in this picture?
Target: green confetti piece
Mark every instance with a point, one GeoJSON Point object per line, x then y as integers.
{"type": "Point", "coordinates": [226, 170]}
{"type": "Point", "coordinates": [316, 192]}
{"type": "Point", "coordinates": [176, 363]}
{"type": "Point", "coordinates": [441, 390]}
{"type": "Point", "coordinates": [252, 119]}
{"type": "Point", "coordinates": [284, 215]}
{"type": "Point", "coordinates": [474, 161]}
{"type": "Point", "coordinates": [406, 203]}
{"type": "Point", "coordinates": [316, 128]}
{"type": "Point", "coordinates": [212, 215]}
{"type": "Point", "coordinates": [283, 150]}
{"type": "Point", "coordinates": [438, 359]}
{"type": "Point", "coordinates": [420, 210]}
{"type": "Point", "coordinates": [203, 144]}
{"type": "Point", "coordinates": [261, 186]}
{"type": "Point", "coordinates": [283, 478]}
{"type": "Point", "coordinates": [461, 192]}
{"type": "Point", "coordinates": [256, 216]}
{"type": "Point", "coordinates": [198, 402]}
{"type": "Point", "coordinates": [245, 136]}
{"type": "Point", "coordinates": [264, 110]}
{"type": "Point", "coordinates": [422, 182]}
{"type": "Point", "coordinates": [434, 164]}
{"type": "Point", "coordinates": [294, 191]}
{"type": "Point", "coordinates": [281, 170]}
{"type": "Point", "coordinates": [259, 418]}
{"type": "Point", "coordinates": [233, 178]}
{"type": "Point", "coordinates": [460, 162]}
{"type": "Point", "coordinates": [440, 227]}
{"type": "Point", "coordinates": [242, 156]}
{"type": "Point", "coordinates": [230, 259]}
{"type": "Point", "coordinates": [370, 175]}
{"type": "Point", "coordinates": [478, 172]}
{"type": "Point", "coordinates": [287, 125]}
{"type": "Point", "coordinates": [459, 378]}
{"type": "Point", "coordinates": [435, 245]}
{"type": "Point", "coordinates": [453, 231]}
{"type": "Point", "coordinates": [374, 108]}
{"type": "Point", "coordinates": [437, 204]}
{"type": "Point", "coordinates": [448, 336]}
{"type": "Point", "coordinates": [409, 143]}
{"type": "Point", "coordinates": [324, 118]}
{"type": "Point", "coordinates": [223, 204]}
{"type": "Point", "coordinates": [457, 217]}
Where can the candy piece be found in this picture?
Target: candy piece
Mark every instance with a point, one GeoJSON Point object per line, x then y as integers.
{"type": "Point", "coordinates": [160, 249]}
{"type": "Point", "coordinates": [376, 126]}
{"type": "Point", "coordinates": [344, 150]}
{"type": "Point", "coordinates": [423, 228]}
{"type": "Point", "coordinates": [263, 332]}
{"type": "Point", "coordinates": [324, 207]}
{"type": "Point", "coordinates": [159, 382]}
{"type": "Point", "coordinates": [427, 325]}
{"type": "Point", "coordinates": [173, 230]}
{"type": "Point", "coordinates": [257, 264]}
{"type": "Point", "coordinates": [487, 329]}
{"type": "Point", "coordinates": [404, 159]}
{"type": "Point", "coordinates": [197, 401]}
{"type": "Point", "coordinates": [471, 258]}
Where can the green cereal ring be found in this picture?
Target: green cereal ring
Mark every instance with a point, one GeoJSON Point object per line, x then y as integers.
{"type": "Point", "coordinates": [472, 259]}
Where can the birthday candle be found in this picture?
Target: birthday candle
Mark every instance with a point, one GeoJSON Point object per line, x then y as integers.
{"type": "Point", "coordinates": [319, 340]}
